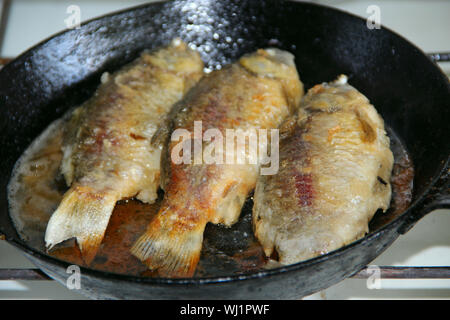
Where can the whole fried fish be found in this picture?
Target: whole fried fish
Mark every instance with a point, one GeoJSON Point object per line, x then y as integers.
{"type": "Point", "coordinates": [257, 92]}
{"type": "Point", "coordinates": [107, 150]}
{"type": "Point", "coordinates": [335, 166]}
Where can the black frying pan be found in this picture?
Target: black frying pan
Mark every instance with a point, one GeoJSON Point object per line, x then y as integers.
{"type": "Point", "coordinates": [407, 88]}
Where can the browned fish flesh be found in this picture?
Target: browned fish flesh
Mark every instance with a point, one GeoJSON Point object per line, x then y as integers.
{"type": "Point", "coordinates": [335, 167]}
{"type": "Point", "coordinates": [107, 150]}
{"type": "Point", "coordinates": [256, 92]}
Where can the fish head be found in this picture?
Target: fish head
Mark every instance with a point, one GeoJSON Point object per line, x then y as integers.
{"type": "Point", "coordinates": [179, 58]}
{"type": "Point", "coordinates": [277, 64]}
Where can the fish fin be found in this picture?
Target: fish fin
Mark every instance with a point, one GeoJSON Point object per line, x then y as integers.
{"type": "Point", "coordinates": [160, 140]}
{"type": "Point", "coordinates": [161, 134]}
{"type": "Point", "coordinates": [82, 214]}
{"type": "Point", "coordinates": [172, 254]}
{"type": "Point", "coordinates": [287, 127]}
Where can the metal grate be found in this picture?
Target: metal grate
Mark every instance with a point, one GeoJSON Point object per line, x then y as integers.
{"type": "Point", "coordinates": [386, 272]}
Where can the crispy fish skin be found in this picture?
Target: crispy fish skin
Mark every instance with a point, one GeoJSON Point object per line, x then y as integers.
{"type": "Point", "coordinates": [335, 167]}
{"type": "Point", "coordinates": [258, 91]}
{"type": "Point", "coordinates": [107, 150]}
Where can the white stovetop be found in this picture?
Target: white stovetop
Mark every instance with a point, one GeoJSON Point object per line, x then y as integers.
{"type": "Point", "coordinates": [425, 23]}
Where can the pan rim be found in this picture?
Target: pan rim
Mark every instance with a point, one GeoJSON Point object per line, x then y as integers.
{"type": "Point", "coordinates": [244, 276]}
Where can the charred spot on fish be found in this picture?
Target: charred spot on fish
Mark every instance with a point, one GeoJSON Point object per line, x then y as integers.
{"type": "Point", "coordinates": [381, 180]}
{"type": "Point", "coordinates": [136, 136]}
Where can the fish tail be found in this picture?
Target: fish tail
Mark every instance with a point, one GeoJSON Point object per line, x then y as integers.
{"type": "Point", "coordinates": [82, 214]}
{"type": "Point", "coordinates": [169, 249]}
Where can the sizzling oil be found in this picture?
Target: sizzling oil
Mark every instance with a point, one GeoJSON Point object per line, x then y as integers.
{"type": "Point", "coordinates": [37, 187]}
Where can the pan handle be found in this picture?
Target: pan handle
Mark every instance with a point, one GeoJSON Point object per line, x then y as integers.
{"type": "Point", "coordinates": [438, 198]}
{"type": "Point", "coordinates": [439, 56]}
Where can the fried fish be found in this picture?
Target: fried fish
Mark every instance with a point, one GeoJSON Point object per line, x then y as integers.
{"type": "Point", "coordinates": [257, 92]}
{"type": "Point", "coordinates": [335, 167]}
{"type": "Point", "coordinates": [107, 150]}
